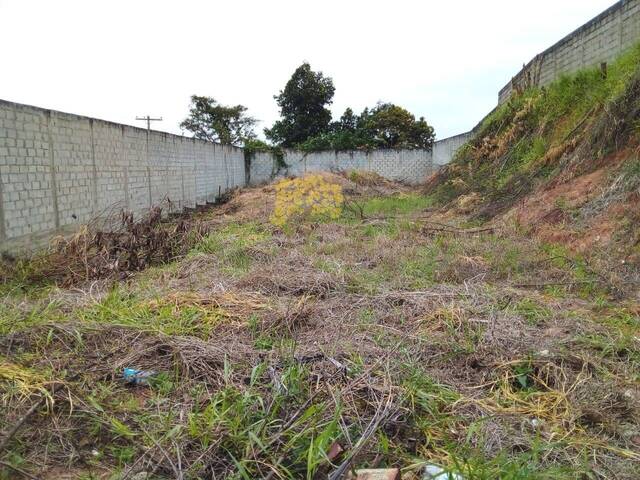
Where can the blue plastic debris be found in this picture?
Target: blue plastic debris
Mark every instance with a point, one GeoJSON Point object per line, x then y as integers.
{"type": "Point", "coordinates": [137, 377]}
{"type": "Point", "coordinates": [435, 472]}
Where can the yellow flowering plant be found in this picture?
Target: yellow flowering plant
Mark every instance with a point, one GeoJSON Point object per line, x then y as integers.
{"type": "Point", "coordinates": [310, 196]}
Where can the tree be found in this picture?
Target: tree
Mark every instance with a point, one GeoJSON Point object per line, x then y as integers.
{"type": "Point", "coordinates": [394, 127]}
{"type": "Point", "coordinates": [303, 109]}
{"type": "Point", "coordinates": [348, 121]}
{"type": "Point", "coordinates": [423, 134]}
{"type": "Point", "coordinates": [208, 120]}
{"type": "Point", "coordinates": [384, 126]}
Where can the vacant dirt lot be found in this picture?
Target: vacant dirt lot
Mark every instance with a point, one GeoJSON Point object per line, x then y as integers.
{"type": "Point", "coordinates": [394, 335]}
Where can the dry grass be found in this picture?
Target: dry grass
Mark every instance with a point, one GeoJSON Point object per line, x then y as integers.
{"type": "Point", "coordinates": [400, 341]}
{"type": "Point", "coordinates": [113, 248]}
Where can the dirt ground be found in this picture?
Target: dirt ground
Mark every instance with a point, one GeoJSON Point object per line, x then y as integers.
{"type": "Point", "coordinates": [394, 335]}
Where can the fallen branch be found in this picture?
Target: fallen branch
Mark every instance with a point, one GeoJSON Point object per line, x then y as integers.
{"type": "Point", "coordinates": [446, 228]}
{"type": "Point", "coordinates": [383, 412]}
{"type": "Point", "coordinates": [458, 231]}
{"type": "Point", "coordinates": [18, 470]}
{"type": "Point", "coordinates": [6, 438]}
{"type": "Point", "coordinates": [549, 284]}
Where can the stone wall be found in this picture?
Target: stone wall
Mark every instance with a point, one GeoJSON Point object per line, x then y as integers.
{"type": "Point", "coordinates": [59, 170]}
{"type": "Point", "coordinates": [598, 41]}
{"type": "Point", "coordinates": [410, 166]}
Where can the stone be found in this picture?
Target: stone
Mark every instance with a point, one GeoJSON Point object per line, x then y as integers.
{"type": "Point", "coordinates": [378, 474]}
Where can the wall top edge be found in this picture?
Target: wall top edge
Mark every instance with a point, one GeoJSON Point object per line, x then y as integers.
{"type": "Point", "coordinates": [613, 9]}
{"type": "Point", "coordinates": [141, 130]}
{"type": "Point", "coordinates": [355, 152]}
{"type": "Point", "coordinates": [464, 134]}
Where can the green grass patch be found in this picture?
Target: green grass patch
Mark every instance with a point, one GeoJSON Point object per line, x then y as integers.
{"type": "Point", "coordinates": [420, 269]}
{"type": "Point", "coordinates": [533, 312]}
{"type": "Point", "coordinates": [232, 243]}
{"type": "Point", "coordinates": [619, 340]}
{"type": "Point", "coordinates": [23, 307]}
{"type": "Point", "coordinates": [123, 308]}
{"type": "Point", "coordinates": [368, 281]}
{"type": "Point", "coordinates": [403, 204]}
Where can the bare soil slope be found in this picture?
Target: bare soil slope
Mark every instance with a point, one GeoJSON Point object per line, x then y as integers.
{"type": "Point", "coordinates": [562, 163]}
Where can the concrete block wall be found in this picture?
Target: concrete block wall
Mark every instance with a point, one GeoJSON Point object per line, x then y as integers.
{"type": "Point", "coordinates": [59, 171]}
{"type": "Point", "coordinates": [261, 168]}
{"type": "Point", "coordinates": [444, 150]}
{"type": "Point", "coordinates": [598, 41]}
{"type": "Point", "coordinates": [410, 166]}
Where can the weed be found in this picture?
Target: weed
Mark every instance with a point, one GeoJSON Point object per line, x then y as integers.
{"type": "Point", "coordinates": [429, 407]}
{"type": "Point", "coordinates": [532, 311]}
{"type": "Point", "coordinates": [122, 308]}
{"type": "Point", "coordinates": [310, 196]}
{"type": "Point", "coordinates": [233, 244]}
{"type": "Point", "coordinates": [366, 316]}
{"type": "Point", "coordinates": [13, 318]}
{"type": "Point", "coordinates": [122, 454]}
{"type": "Point", "coordinates": [396, 205]}
{"type": "Point", "coordinates": [423, 327]}
{"type": "Point", "coordinates": [619, 340]}
{"type": "Point", "coordinates": [522, 142]}
{"type": "Point", "coordinates": [420, 269]}
{"type": "Point", "coordinates": [365, 281]}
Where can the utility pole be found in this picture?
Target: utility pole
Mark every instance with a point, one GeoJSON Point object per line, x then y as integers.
{"type": "Point", "coordinates": [148, 119]}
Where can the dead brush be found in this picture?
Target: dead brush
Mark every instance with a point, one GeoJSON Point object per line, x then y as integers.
{"type": "Point", "coordinates": [297, 278]}
{"type": "Point", "coordinates": [366, 178]}
{"type": "Point", "coordinates": [463, 268]}
{"type": "Point", "coordinates": [544, 392]}
{"type": "Point", "coordinates": [232, 305]}
{"type": "Point", "coordinates": [522, 388]}
{"type": "Point", "coordinates": [445, 319]}
{"type": "Point", "coordinates": [496, 145]}
{"type": "Point", "coordinates": [8, 268]}
{"type": "Point", "coordinates": [24, 382]}
{"type": "Point", "coordinates": [554, 153]}
{"type": "Point", "coordinates": [117, 347]}
{"type": "Point", "coordinates": [131, 245]}
{"type": "Point", "coordinates": [295, 314]}
{"type": "Point", "coordinates": [451, 325]}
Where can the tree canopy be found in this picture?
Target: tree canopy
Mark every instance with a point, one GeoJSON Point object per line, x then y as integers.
{"type": "Point", "coordinates": [384, 126]}
{"type": "Point", "coordinates": [305, 121]}
{"type": "Point", "coordinates": [303, 108]}
{"type": "Point", "coordinates": [208, 120]}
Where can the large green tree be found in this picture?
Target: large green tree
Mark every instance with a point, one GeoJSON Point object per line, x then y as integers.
{"type": "Point", "coordinates": [303, 108]}
{"type": "Point", "coordinates": [384, 126]}
{"type": "Point", "coordinates": [395, 127]}
{"type": "Point", "coordinates": [208, 120]}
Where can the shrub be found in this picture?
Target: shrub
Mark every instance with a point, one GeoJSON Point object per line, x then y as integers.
{"type": "Point", "coordinates": [309, 196]}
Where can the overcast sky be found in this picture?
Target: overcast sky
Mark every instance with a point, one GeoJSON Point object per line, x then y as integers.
{"type": "Point", "coordinates": [115, 59]}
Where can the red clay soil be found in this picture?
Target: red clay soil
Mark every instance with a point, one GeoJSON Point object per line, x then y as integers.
{"type": "Point", "coordinates": [547, 211]}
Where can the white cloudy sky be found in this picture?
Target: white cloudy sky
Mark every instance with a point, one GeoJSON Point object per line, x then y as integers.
{"type": "Point", "coordinates": [115, 59]}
